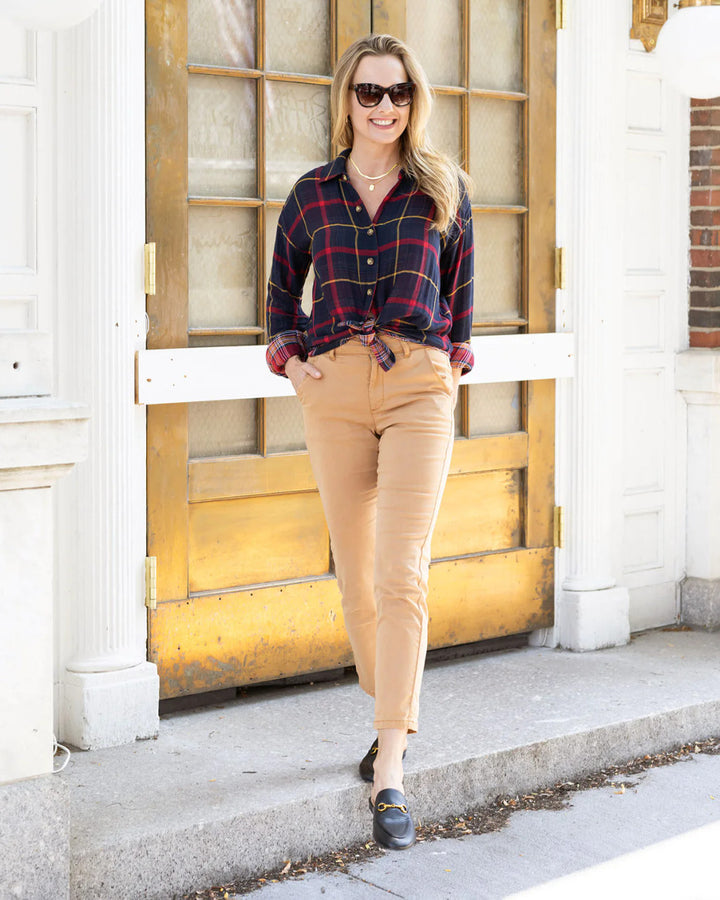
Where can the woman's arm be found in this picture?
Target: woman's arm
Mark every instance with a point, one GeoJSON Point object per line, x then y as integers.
{"type": "Point", "coordinates": [286, 322]}
{"type": "Point", "coordinates": [456, 285]}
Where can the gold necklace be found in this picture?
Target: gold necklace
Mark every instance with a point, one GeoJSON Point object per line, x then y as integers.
{"type": "Point", "coordinates": [371, 187]}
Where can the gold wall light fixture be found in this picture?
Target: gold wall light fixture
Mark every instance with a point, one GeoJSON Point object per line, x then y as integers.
{"type": "Point", "coordinates": [648, 17]}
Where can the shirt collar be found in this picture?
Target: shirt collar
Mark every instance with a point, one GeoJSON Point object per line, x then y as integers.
{"type": "Point", "coordinates": [336, 167]}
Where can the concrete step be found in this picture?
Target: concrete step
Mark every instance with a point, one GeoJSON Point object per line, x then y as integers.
{"type": "Point", "coordinates": [237, 788]}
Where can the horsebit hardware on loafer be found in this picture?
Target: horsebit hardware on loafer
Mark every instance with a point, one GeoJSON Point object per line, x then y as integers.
{"type": "Point", "coordinates": [381, 807]}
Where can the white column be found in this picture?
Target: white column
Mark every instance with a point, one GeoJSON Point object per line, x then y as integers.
{"type": "Point", "coordinates": [591, 611]}
{"type": "Point", "coordinates": [109, 691]}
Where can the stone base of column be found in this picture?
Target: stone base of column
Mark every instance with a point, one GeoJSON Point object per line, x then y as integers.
{"type": "Point", "coordinates": [700, 602]}
{"type": "Point", "coordinates": [106, 709]}
{"type": "Point", "coordinates": [591, 620]}
{"type": "Point", "coordinates": [35, 839]}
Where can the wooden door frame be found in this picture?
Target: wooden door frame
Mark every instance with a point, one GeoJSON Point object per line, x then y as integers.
{"type": "Point", "coordinates": [167, 222]}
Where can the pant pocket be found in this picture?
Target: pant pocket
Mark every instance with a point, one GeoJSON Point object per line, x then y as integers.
{"type": "Point", "coordinates": [300, 389]}
{"type": "Point", "coordinates": [308, 383]}
{"type": "Point", "coordinates": [440, 364]}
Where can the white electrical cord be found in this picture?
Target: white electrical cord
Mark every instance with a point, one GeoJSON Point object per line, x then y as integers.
{"type": "Point", "coordinates": [57, 747]}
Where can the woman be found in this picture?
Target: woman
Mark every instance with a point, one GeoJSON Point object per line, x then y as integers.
{"type": "Point", "coordinates": [388, 228]}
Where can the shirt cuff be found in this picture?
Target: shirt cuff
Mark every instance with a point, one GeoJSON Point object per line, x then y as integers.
{"type": "Point", "coordinates": [462, 357]}
{"type": "Point", "coordinates": [282, 347]}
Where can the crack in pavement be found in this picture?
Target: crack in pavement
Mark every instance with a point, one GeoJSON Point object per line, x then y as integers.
{"type": "Point", "coordinates": [372, 884]}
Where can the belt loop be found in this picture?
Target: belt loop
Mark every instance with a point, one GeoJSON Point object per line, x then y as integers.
{"type": "Point", "coordinates": [405, 349]}
{"type": "Point", "coordinates": [331, 353]}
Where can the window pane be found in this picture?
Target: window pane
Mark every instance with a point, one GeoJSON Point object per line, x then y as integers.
{"type": "Point", "coordinates": [433, 31]}
{"type": "Point", "coordinates": [298, 133]}
{"type": "Point", "coordinates": [298, 36]}
{"type": "Point", "coordinates": [498, 265]}
{"type": "Point", "coordinates": [285, 430]}
{"type": "Point", "coordinates": [496, 42]}
{"type": "Point", "coordinates": [221, 136]}
{"type": "Point", "coordinates": [494, 408]}
{"type": "Point", "coordinates": [222, 428]}
{"type": "Point", "coordinates": [222, 267]}
{"type": "Point", "coordinates": [222, 33]}
{"type": "Point", "coordinates": [496, 150]}
{"type": "Point", "coordinates": [444, 125]}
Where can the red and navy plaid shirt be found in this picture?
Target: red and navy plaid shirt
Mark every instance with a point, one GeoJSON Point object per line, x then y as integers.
{"type": "Point", "coordinates": [393, 274]}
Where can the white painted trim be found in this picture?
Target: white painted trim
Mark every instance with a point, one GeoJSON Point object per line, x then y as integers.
{"type": "Point", "coordinates": [48, 13]}
{"type": "Point", "coordinates": [189, 375]}
{"type": "Point", "coordinates": [698, 371]}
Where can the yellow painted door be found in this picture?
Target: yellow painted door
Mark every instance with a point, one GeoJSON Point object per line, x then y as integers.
{"type": "Point", "coordinates": [237, 110]}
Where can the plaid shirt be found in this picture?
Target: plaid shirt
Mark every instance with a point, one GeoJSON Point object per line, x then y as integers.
{"type": "Point", "coordinates": [392, 274]}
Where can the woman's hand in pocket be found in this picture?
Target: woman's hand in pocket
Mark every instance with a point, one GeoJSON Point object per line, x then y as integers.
{"type": "Point", "coordinates": [297, 371]}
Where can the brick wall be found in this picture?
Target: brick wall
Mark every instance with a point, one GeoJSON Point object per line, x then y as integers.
{"type": "Point", "coordinates": [705, 223]}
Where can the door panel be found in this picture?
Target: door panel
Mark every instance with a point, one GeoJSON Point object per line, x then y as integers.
{"type": "Point", "coordinates": [208, 641]}
{"type": "Point", "coordinates": [237, 110]}
{"type": "Point", "coordinates": [487, 504]}
{"type": "Point", "coordinates": [212, 640]}
{"type": "Point", "coordinates": [257, 539]}
{"type": "Point", "coordinates": [488, 595]}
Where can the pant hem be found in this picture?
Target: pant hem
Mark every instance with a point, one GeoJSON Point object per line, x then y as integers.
{"type": "Point", "coordinates": [411, 726]}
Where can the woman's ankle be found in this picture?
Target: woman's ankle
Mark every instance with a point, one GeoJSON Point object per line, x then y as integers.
{"type": "Point", "coordinates": [387, 777]}
{"type": "Point", "coordinates": [392, 741]}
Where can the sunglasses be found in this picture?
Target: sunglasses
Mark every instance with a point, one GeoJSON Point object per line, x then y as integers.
{"type": "Point", "coordinates": [371, 94]}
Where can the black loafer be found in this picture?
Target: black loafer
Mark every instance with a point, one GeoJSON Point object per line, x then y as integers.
{"type": "Point", "coordinates": [367, 763]}
{"type": "Point", "coordinates": [393, 826]}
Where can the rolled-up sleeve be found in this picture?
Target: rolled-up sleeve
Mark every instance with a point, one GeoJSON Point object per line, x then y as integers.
{"type": "Point", "coordinates": [456, 283]}
{"type": "Point", "coordinates": [286, 322]}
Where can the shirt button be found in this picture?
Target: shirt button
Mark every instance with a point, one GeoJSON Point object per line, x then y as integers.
{"type": "Point", "coordinates": [370, 262]}
{"type": "Point", "coordinates": [370, 231]}
{"type": "Point", "coordinates": [358, 208]}
{"type": "Point", "coordinates": [369, 290]}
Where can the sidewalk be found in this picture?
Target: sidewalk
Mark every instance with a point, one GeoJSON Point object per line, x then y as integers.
{"type": "Point", "coordinates": [656, 839]}
{"type": "Point", "coordinates": [230, 791]}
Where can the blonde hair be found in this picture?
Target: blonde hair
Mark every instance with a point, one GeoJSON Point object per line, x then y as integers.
{"type": "Point", "coordinates": [434, 172]}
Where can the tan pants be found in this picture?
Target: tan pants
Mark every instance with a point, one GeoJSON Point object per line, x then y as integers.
{"type": "Point", "coordinates": [380, 445]}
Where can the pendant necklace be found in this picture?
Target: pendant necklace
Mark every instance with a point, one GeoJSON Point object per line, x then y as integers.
{"type": "Point", "coordinates": [371, 187]}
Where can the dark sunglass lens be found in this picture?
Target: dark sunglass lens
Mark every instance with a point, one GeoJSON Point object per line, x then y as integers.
{"type": "Point", "coordinates": [401, 94]}
{"type": "Point", "coordinates": [368, 94]}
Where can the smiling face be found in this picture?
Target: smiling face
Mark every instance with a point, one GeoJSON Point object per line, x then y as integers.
{"type": "Point", "coordinates": [384, 123]}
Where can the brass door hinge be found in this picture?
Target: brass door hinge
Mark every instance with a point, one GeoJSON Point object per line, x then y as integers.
{"type": "Point", "coordinates": [558, 527]}
{"type": "Point", "coordinates": [560, 269]}
{"type": "Point", "coordinates": [560, 14]}
{"type": "Point", "coordinates": [150, 268]}
{"type": "Point", "coordinates": [151, 582]}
